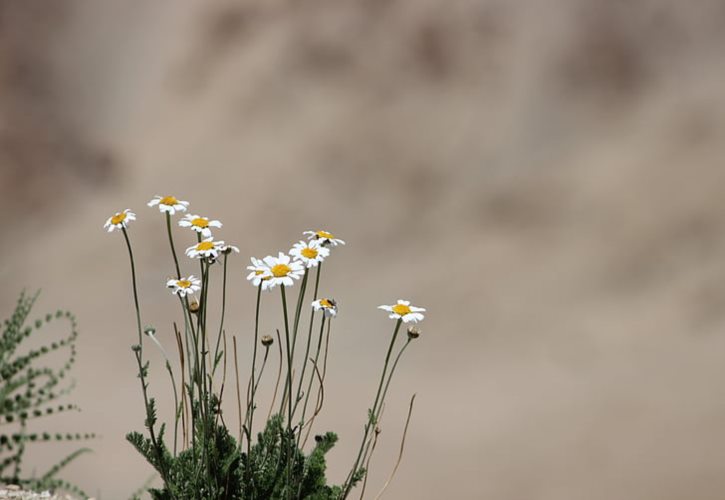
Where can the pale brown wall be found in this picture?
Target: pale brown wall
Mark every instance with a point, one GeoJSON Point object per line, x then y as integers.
{"type": "Point", "coordinates": [545, 177]}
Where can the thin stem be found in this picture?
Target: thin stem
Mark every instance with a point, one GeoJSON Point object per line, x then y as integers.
{"type": "Point", "coordinates": [224, 306]}
{"type": "Point", "coordinates": [309, 339]}
{"type": "Point", "coordinates": [171, 243]}
{"type": "Point", "coordinates": [317, 356]}
{"type": "Point", "coordinates": [239, 397]}
{"type": "Point", "coordinates": [289, 386]}
{"type": "Point", "coordinates": [139, 360]}
{"type": "Point", "coordinates": [347, 485]}
{"type": "Point", "coordinates": [250, 403]}
{"type": "Point", "coordinates": [279, 375]}
{"type": "Point", "coordinates": [135, 292]}
{"type": "Point", "coordinates": [402, 448]}
{"type": "Point", "coordinates": [322, 382]}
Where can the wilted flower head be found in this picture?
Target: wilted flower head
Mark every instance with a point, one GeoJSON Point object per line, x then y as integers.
{"type": "Point", "coordinates": [168, 204]}
{"type": "Point", "coordinates": [184, 286]}
{"type": "Point", "coordinates": [309, 253]}
{"type": "Point", "coordinates": [282, 270]}
{"type": "Point", "coordinates": [329, 306]}
{"type": "Point", "coordinates": [120, 220]}
{"type": "Point", "coordinates": [199, 224]}
{"type": "Point", "coordinates": [267, 340]}
{"type": "Point", "coordinates": [324, 237]}
{"type": "Point", "coordinates": [403, 310]}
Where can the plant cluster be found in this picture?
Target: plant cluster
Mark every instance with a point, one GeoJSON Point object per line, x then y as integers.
{"type": "Point", "coordinates": [29, 391]}
{"type": "Point", "coordinates": [206, 457]}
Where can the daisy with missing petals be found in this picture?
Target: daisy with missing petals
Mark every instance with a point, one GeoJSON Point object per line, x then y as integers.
{"type": "Point", "coordinates": [282, 270]}
{"type": "Point", "coordinates": [184, 286]}
{"type": "Point", "coordinates": [311, 254]}
{"type": "Point", "coordinates": [199, 224]}
{"type": "Point", "coordinates": [403, 310]}
{"type": "Point", "coordinates": [327, 305]}
{"type": "Point", "coordinates": [168, 204]}
{"type": "Point", "coordinates": [227, 249]}
{"type": "Point", "coordinates": [207, 248]}
{"type": "Point", "coordinates": [120, 220]}
{"type": "Point", "coordinates": [324, 238]}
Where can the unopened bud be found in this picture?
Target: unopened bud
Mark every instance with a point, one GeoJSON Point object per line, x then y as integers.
{"type": "Point", "coordinates": [149, 330]}
{"type": "Point", "coordinates": [267, 340]}
{"type": "Point", "coordinates": [194, 307]}
{"type": "Point", "coordinates": [413, 332]}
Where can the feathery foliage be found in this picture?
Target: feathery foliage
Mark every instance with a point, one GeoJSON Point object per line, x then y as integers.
{"type": "Point", "coordinates": [29, 391]}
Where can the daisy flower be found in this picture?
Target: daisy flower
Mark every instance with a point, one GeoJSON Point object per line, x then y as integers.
{"type": "Point", "coordinates": [259, 271]}
{"type": "Point", "coordinates": [205, 248]}
{"type": "Point", "coordinates": [120, 220]}
{"type": "Point", "coordinates": [403, 310]}
{"type": "Point", "coordinates": [199, 224]}
{"type": "Point", "coordinates": [324, 238]}
{"type": "Point", "coordinates": [282, 270]}
{"type": "Point", "coordinates": [229, 249]}
{"type": "Point", "coordinates": [327, 305]}
{"type": "Point", "coordinates": [168, 204]}
{"type": "Point", "coordinates": [184, 286]}
{"type": "Point", "coordinates": [311, 254]}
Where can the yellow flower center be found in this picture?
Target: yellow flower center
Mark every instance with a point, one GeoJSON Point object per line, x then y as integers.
{"type": "Point", "coordinates": [309, 253]}
{"type": "Point", "coordinates": [118, 218]}
{"type": "Point", "coordinates": [200, 222]}
{"type": "Point", "coordinates": [205, 246]}
{"type": "Point", "coordinates": [401, 309]}
{"type": "Point", "coordinates": [280, 270]}
{"type": "Point", "coordinates": [326, 303]}
{"type": "Point", "coordinates": [324, 234]}
{"type": "Point", "coordinates": [183, 283]}
{"type": "Point", "coordinates": [169, 200]}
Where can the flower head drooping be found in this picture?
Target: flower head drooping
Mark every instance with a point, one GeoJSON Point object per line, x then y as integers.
{"type": "Point", "coordinates": [259, 272]}
{"type": "Point", "coordinates": [327, 305]}
{"type": "Point", "coordinates": [199, 224]}
{"type": "Point", "coordinates": [184, 286]}
{"type": "Point", "coordinates": [227, 249]}
{"type": "Point", "coordinates": [119, 220]}
{"type": "Point", "coordinates": [403, 310]}
{"type": "Point", "coordinates": [168, 204]}
{"type": "Point", "coordinates": [282, 270]}
{"type": "Point", "coordinates": [325, 238]}
{"type": "Point", "coordinates": [309, 253]}
{"type": "Point", "coordinates": [207, 248]}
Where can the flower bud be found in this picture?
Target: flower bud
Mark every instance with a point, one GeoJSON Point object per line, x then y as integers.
{"type": "Point", "coordinates": [194, 307]}
{"type": "Point", "coordinates": [267, 340]}
{"type": "Point", "coordinates": [149, 330]}
{"type": "Point", "coordinates": [413, 332]}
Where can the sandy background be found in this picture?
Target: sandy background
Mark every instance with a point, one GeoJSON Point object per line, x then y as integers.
{"type": "Point", "coordinates": [546, 178]}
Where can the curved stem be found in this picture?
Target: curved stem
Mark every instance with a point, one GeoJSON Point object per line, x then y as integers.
{"type": "Point", "coordinates": [171, 243]}
{"type": "Point", "coordinates": [347, 485]}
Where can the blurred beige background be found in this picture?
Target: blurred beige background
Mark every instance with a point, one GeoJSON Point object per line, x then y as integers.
{"type": "Point", "coordinates": [545, 177]}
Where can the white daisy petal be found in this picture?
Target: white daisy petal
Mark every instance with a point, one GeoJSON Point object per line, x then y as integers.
{"type": "Point", "coordinates": [119, 220]}
{"type": "Point", "coordinates": [405, 312]}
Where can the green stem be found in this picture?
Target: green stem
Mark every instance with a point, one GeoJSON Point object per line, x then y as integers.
{"type": "Point", "coordinates": [347, 485]}
{"type": "Point", "coordinates": [250, 405]}
{"type": "Point", "coordinates": [312, 375]}
{"type": "Point", "coordinates": [139, 360]}
{"type": "Point", "coordinates": [309, 338]}
{"type": "Point", "coordinates": [171, 243]}
{"type": "Point", "coordinates": [224, 306]}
